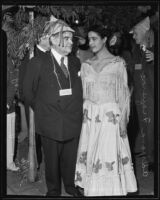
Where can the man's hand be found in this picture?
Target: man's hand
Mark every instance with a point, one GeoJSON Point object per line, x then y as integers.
{"type": "Point", "coordinates": [149, 56]}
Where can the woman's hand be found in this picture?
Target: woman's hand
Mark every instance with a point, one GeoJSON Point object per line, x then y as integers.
{"type": "Point", "coordinates": [123, 127]}
{"type": "Point", "coordinates": [123, 131]}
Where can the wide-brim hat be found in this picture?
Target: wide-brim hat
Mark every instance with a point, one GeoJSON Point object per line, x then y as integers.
{"type": "Point", "coordinates": [80, 32]}
{"type": "Point", "coordinates": [55, 26]}
{"type": "Point", "coordinates": [143, 25]}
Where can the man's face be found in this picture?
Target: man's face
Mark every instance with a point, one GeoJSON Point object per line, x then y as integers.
{"type": "Point", "coordinates": [81, 40]}
{"type": "Point", "coordinates": [62, 44]}
{"type": "Point", "coordinates": [138, 35]}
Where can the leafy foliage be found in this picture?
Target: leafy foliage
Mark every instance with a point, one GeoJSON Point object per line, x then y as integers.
{"type": "Point", "coordinates": [67, 13]}
{"type": "Point", "coordinates": [23, 34]}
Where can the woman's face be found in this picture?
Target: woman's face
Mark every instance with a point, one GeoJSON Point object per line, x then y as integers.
{"type": "Point", "coordinates": [96, 43]}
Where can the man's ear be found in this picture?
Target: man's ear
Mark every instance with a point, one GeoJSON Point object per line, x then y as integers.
{"type": "Point", "coordinates": [45, 37]}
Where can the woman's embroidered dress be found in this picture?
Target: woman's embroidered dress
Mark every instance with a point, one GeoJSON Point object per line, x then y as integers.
{"type": "Point", "coordinates": [104, 165]}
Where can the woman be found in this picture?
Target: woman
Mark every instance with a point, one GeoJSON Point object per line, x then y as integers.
{"type": "Point", "coordinates": [104, 166]}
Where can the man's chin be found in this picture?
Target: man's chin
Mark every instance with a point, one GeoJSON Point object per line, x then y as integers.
{"type": "Point", "coordinates": [137, 42]}
{"type": "Point", "coordinates": [63, 51]}
{"type": "Point", "coordinates": [66, 52]}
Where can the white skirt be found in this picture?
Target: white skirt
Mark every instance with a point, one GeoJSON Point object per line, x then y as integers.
{"type": "Point", "coordinates": [104, 165]}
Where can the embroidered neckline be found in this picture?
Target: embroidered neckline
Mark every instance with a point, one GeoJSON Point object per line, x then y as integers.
{"type": "Point", "coordinates": [114, 60]}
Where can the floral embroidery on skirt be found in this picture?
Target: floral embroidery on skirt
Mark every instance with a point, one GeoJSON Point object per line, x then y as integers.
{"type": "Point", "coordinates": [104, 165]}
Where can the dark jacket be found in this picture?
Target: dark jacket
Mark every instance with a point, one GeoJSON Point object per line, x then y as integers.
{"type": "Point", "coordinates": [23, 68]}
{"type": "Point", "coordinates": [56, 117]}
{"type": "Point", "coordinates": [12, 78]}
{"type": "Point", "coordinates": [147, 68]}
{"type": "Point", "coordinates": [144, 101]}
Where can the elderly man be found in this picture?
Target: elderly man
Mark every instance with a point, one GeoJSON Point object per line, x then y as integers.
{"type": "Point", "coordinates": [53, 89]}
{"type": "Point", "coordinates": [143, 64]}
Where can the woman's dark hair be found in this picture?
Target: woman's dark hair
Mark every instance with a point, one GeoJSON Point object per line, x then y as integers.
{"type": "Point", "coordinates": [123, 43]}
{"type": "Point", "coordinates": [117, 47]}
{"type": "Point", "coordinates": [101, 30]}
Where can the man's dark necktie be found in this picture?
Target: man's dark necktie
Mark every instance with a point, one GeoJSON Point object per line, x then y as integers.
{"type": "Point", "coordinates": [64, 68]}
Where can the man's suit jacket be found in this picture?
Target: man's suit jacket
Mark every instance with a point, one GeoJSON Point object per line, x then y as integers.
{"type": "Point", "coordinates": [147, 68]}
{"type": "Point", "coordinates": [23, 68]}
{"type": "Point", "coordinates": [56, 117]}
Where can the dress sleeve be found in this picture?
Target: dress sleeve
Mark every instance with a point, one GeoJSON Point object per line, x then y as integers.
{"type": "Point", "coordinates": [87, 82]}
{"type": "Point", "coordinates": [82, 72]}
{"type": "Point", "coordinates": [123, 92]}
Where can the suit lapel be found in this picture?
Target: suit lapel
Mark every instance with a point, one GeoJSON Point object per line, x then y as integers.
{"type": "Point", "coordinates": [62, 79]}
{"type": "Point", "coordinates": [71, 70]}
{"type": "Point", "coordinates": [60, 74]}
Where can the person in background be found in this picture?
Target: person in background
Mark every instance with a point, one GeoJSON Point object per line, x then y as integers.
{"type": "Point", "coordinates": [11, 92]}
{"type": "Point", "coordinates": [143, 65]}
{"type": "Point", "coordinates": [40, 49]}
{"type": "Point", "coordinates": [152, 12]}
{"type": "Point", "coordinates": [104, 165]}
{"type": "Point", "coordinates": [53, 89]}
{"type": "Point", "coordinates": [83, 52]}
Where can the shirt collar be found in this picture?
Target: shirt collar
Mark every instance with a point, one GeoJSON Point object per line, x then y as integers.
{"type": "Point", "coordinates": [59, 56]}
{"type": "Point", "coordinates": [40, 48]}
